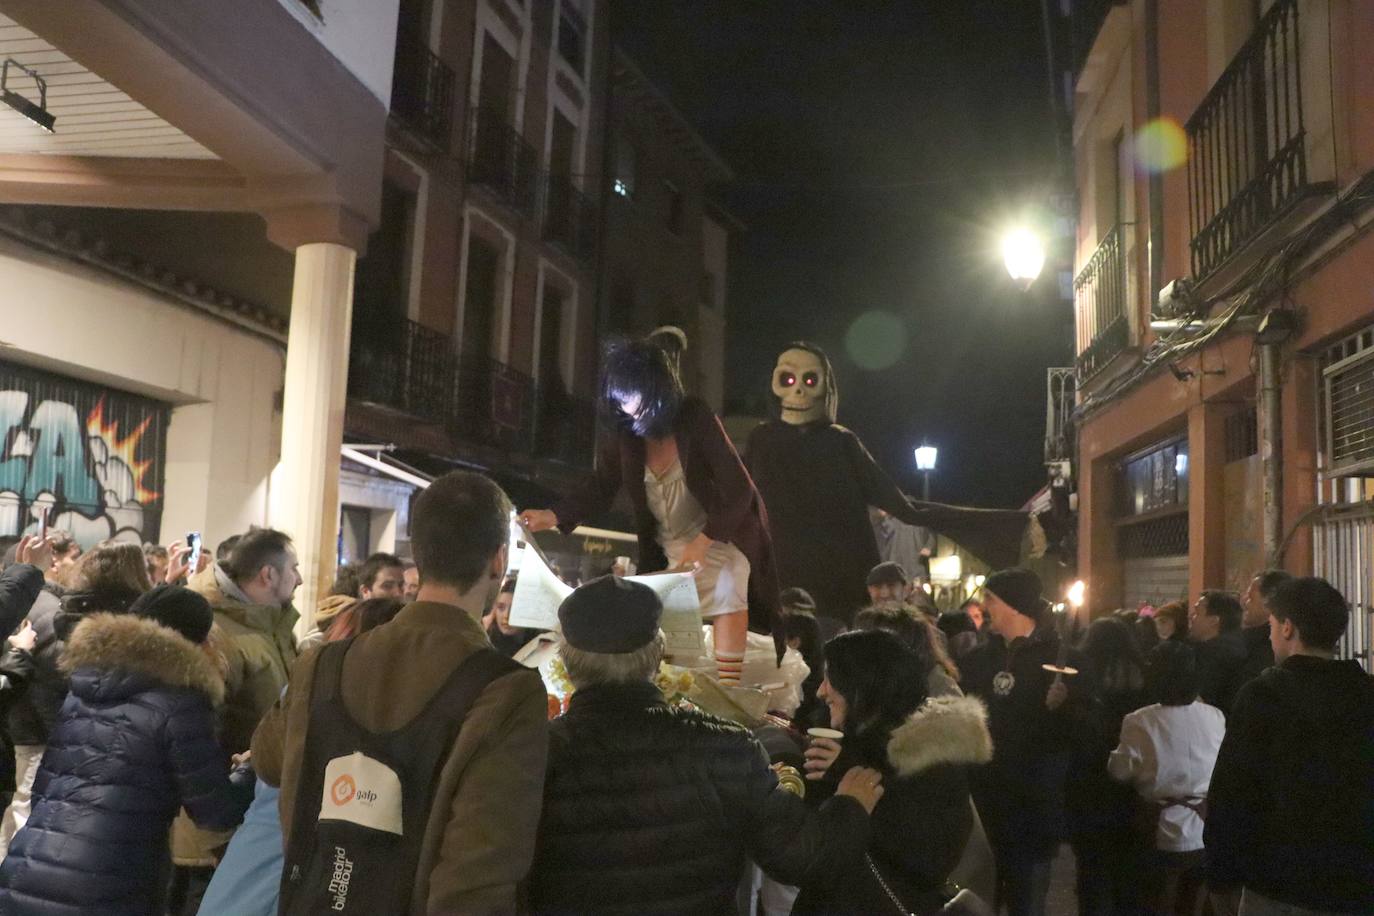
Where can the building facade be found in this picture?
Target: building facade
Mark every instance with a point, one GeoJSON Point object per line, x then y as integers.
{"type": "Point", "coordinates": [1225, 334]}
{"type": "Point", "coordinates": [667, 239]}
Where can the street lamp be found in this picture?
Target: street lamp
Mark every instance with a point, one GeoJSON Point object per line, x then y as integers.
{"type": "Point", "coordinates": [925, 463]}
{"type": "Point", "coordinates": [1024, 254]}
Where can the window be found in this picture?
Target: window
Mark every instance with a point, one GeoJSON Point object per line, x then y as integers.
{"type": "Point", "coordinates": [1155, 480]}
{"type": "Point", "coordinates": [676, 206]}
{"type": "Point", "coordinates": [572, 32]}
{"type": "Point", "coordinates": [626, 159]}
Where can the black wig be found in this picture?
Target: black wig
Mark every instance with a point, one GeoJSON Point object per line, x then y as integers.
{"type": "Point", "coordinates": [642, 369]}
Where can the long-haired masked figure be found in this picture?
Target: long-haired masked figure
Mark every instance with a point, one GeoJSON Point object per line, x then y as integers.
{"type": "Point", "coordinates": [818, 481]}
{"type": "Point", "coordinates": [695, 505]}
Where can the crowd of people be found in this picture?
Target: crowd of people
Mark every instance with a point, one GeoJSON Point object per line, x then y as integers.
{"type": "Point", "coordinates": [176, 748]}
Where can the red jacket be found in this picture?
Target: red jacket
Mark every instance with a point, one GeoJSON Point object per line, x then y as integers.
{"type": "Point", "coordinates": [716, 478]}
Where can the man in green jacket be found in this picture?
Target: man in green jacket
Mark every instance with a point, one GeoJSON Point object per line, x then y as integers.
{"type": "Point", "coordinates": [250, 593]}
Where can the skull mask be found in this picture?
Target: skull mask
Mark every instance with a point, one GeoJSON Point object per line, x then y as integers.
{"type": "Point", "coordinates": [804, 384]}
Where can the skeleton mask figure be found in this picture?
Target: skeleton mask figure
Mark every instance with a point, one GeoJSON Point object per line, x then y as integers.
{"type": "Point", "coordinates": [805, 386]}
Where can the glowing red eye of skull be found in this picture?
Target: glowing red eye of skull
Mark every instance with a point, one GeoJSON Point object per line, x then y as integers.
{"type": "Point", "coordinates": [811, 380]}
{"type": "Point", "coordinates": [786, 379]}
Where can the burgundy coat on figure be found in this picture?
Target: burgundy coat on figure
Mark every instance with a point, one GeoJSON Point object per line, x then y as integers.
{"type": "Point", "coordinates": [716, 477]}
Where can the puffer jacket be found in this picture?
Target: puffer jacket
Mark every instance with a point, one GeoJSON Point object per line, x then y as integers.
{"type": "Point", "coordinates": [134, 741]}
{"type": "Point", "coordinates": [923, 822]}
{"type": "Point", "coordinates": [652, 809]}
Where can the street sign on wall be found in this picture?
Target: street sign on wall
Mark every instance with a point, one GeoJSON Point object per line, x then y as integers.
{"type": "Point", "coordinates": [94, 456]}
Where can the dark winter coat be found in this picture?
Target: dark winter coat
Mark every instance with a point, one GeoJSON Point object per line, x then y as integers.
{"type": "Point", "coordinates": [1220, 668]}
{"type": "Point", "coordinates": [922, 823]}
{"type": "Point", "coordinates": [652, 809]}
{"type": "Point", "coordinates": [20, 586]}
{"type": "Point", "coordinates": [1290, 812]}
{"type": "Point", "coordinates": [818, 481]}
{"type": "Point", "coordinates": [134, 742]}
{"type": "Point", "coordinates": [716, 478]}
{"type": "Point", "coordinates": [1020, 795]}
{"type": "Point", "coordinates": [1100, 809]}
{"type": "Point", "coordinates": [1259, 654]}
{"type": "Point", "coordinates": [36, 705]}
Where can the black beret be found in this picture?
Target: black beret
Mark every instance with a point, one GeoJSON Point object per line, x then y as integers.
{"type": "Point", "coordinates": [610, 616]}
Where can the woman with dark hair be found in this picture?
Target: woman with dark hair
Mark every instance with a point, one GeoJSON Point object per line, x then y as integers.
{"type": "Point", "coordinates": [695, 505]}
{"type": "Point", "coordinates": [923, 747]}
{"type": "Point", "coordinates": [362, 616]}
{"type": "Point", "coordinates": [1166, 754]}
{"type": "Point", "coordinates": [1099, 808]}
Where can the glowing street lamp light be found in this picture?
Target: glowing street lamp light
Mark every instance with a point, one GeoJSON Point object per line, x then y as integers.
{"type": "Point", "coordinates": [925, 463]}
{"type": "Point", "coordinates": [1024, 254]}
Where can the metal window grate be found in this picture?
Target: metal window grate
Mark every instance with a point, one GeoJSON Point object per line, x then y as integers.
{"type": "Point", "coordinates": [1099, 293]}
{"type": "Point", "coordinates": [1242, 435]}
{"type": "Point", "coordinates": [1348, 415]}
{"type": "Point", "coordinates": [1158, 537]}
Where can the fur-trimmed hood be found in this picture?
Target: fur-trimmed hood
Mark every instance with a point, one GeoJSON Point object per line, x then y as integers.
{"type": "Point", "coordinates": [946, 730]}
{"type": "Point", "coordinates": [140, 649]}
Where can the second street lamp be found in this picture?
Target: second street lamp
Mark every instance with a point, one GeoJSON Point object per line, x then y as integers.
{"type": "Point", "coordinates": [925, 463]}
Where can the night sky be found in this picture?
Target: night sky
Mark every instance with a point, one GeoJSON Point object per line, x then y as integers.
{"type": "Point", "coordinates": [880, 147]}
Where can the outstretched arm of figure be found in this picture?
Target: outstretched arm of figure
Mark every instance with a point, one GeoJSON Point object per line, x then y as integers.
{"type": "Point", "coordinates": [879, 490]}
{"type": "Point", "coordinates": [599, 493]}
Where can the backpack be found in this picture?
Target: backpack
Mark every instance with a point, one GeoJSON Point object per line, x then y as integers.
{"type": "Point", "coordinates": [363, 800]}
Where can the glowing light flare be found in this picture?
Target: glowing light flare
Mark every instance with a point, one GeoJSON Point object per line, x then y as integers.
{"type": "Point", "coordinates": [124, 449]}
{"type": "Point", "coordinates": [1161, 146]}
{"type": "Point", "coordinates": [1077, 593]}
{"type": "Point", "coordinates": [876, 340]}
{"type": "Point", "coordinates": [1024, 254]}
{"type": "Point", "coordinates": [925, 457]}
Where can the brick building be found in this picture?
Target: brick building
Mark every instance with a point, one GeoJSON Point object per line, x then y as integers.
{"type": "Point", "coordinates": [1226, 421]}
{"type": "Point", "coordinates": [667, 240]}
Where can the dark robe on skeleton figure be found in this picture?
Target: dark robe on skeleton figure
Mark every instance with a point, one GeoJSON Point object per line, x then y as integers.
{"type": "Point", "coordinates": [818, 480]}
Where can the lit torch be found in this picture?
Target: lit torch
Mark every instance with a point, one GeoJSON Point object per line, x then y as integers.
{"type": "Point", "coordinates": [1075, 595]}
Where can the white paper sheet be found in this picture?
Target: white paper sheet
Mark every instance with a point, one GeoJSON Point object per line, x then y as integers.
{"type": "Point", "coordinates": [538, 593]}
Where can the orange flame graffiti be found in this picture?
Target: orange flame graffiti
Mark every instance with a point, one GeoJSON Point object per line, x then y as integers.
{"type": "Point", "coordinates": [123, 449]}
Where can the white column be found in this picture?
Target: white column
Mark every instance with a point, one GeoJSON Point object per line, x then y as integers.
{"type": "Point", "coordinates": [305, 486]}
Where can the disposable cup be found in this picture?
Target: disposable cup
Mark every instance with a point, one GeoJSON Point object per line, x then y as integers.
{"type": "Point", "coordinates": [832, 734]}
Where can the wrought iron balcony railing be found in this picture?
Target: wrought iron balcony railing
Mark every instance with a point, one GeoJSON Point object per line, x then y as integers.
{"type": "Point", "coordinates": [503, 161]}
{"type": "Point", "coordinates": [403, 365]}
{"type": "Point", "coordinates": [1247, 162]}
{"type": "Point", "coordinates": [413, 369]}
{"type": "Point", "coordinates": [422, 93]}
{"type": "Point", "coordinates": [1101, 302]}
{"type": "Point", "coordinates": [569, 218]}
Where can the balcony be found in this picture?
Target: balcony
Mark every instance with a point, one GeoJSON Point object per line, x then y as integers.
{"type": "Point", "coordinates": [422, 95]}
{"type": "Point", "coordinates": [1102, 305]}
{"type": "Point", "coordinates": [569, 218]}
{"type": "Point", "coordinates": [1247, 162]}
{"type": "Point", "coordinates": [416, 371]}
{"type": "Point", "coordinates": [502, 161]}
{"type": "Point", "coordinates": [493, 404]}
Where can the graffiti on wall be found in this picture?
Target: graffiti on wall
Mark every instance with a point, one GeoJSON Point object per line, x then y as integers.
{"type": "Point", "coordinates": [92, 457]}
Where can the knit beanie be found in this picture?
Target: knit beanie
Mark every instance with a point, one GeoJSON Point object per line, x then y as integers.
{"type": "Point", "coordinates": [177, 608]}
{"type": "Point", "coordinates": [888, 573]}
{"type": "Point", "coordinates": [1019, 589]}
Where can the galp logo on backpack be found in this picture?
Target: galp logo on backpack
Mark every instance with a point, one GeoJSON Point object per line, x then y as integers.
{"type": "Point", "coordinates": [362, 791]}
{"type": "Point", "coordinates": [363, 798]}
